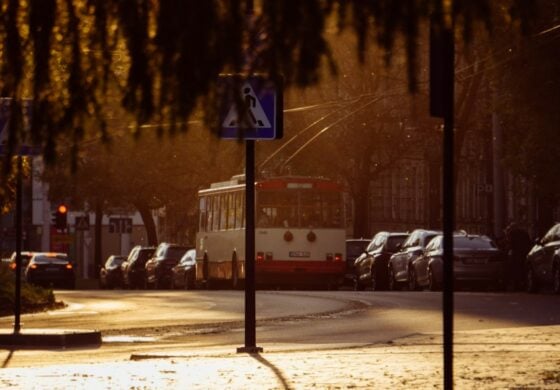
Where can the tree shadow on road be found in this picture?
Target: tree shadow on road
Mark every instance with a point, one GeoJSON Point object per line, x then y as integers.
{"type": "Point", "coordinates": [8, 358]}
{"type": "Point", "coordinates": [275, 370]}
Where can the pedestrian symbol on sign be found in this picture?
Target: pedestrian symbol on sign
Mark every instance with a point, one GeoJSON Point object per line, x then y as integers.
{"type": "Point", "coordinates": [255, 116]}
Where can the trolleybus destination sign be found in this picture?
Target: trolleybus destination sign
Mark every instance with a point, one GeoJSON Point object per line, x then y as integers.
{"type": "Point", "coordinates": [250, 107]}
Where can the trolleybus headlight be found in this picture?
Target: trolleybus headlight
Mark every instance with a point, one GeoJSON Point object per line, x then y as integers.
{"type": "Point", "coordinates": [311, 236]}
{"type": "Point", "coordinates": [338, 256]}
{"type": "Point", "coordinates": [260, 256]}
{"type": "Point", "coordinates": [288, 236]}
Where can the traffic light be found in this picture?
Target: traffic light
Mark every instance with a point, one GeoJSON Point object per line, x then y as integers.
{"type": "Point", "coordinates": [60, 217]}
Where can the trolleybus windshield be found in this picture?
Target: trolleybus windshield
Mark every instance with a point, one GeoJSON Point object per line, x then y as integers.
{"type": "Point", "coordinates": [299, 209]}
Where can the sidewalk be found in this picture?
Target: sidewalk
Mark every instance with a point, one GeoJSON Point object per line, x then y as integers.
{"type": "Point", "coordinates": [523, 358]}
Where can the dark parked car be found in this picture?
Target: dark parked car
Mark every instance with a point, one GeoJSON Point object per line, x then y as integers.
{"type": "Point", "coordinates": [372, 265]}
{"type": "Point", "coordinates": [183, 275]}
{"type": "Point", "coordinates": [158, 268]}
{"type": "Point", "coordinates": [354, 248]}
{"type": "Point", "coordinates": [543, 262]}
{"type": "Point", "coordinates": [134, 268]}
{"type": "Point", "coordinates": [50, 270]}
{"type": "Point", "coordinates": [475, 259]}
{"type": "Point", "coordinates": [110, 275]}
{"type": "Point", "coordinates": [410, 250]}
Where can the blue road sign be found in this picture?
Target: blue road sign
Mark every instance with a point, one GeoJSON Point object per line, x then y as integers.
{"type": "Point", "coordinates": [251, 108]}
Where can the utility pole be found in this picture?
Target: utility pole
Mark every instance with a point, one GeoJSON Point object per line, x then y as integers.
{"type": "Point", "coordinates": [442, 80]}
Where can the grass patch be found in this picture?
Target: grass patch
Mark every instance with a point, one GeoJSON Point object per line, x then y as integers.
{"type": "Point", "coordinates": [33, 298]}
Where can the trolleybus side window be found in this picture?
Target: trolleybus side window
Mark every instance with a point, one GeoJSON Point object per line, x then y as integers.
{"type": "Point", "coordinates": [230, 211]}
{"type": "Point", "coordinates": [203, 215]}
{"type": "Point", "coordinates": [215, 213]}
{"type": "Point", "coordinates": [223, 211]}
{"type": "Point", "coordinates": [239, 210]}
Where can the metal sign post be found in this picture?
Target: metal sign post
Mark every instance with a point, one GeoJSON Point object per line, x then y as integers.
{"type": "Point", "coordinates": [250, 311]}
{"type": "Point", "coordinates": [251, 109]}
{"type": "Point", "coordinates": [19, 215]}
{"type": "Point", "coordinates": [442, 79]}
{"type": "Point", "coordinates": [6, 105]}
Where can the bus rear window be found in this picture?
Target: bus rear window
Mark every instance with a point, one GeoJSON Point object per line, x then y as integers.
{"type": "Point", "coordinates": [299, 209]}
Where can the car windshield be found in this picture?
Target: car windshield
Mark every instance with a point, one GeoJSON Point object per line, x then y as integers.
{"type": "Point", "coordinates": [143, 256]}
{"type": "Point", "coordinates": [116, 261]}
{"type": "Point", "coordinates": [466, 242]}
{"type": "Point", "coordinates": [175, 252]}
{"type": "Point", "coordinates": [393, 242]}
{"type": "Point", "coordinates": [355, 248]}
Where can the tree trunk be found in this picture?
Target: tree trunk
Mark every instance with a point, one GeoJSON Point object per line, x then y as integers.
{"type": "Point", "coordinates": [148, 219]}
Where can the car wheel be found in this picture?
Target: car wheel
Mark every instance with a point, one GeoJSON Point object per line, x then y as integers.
{"type": "Point", "coordinates": [393, 286]}
{"type": "Point", "coordinates": [159, 284]}
{"type": "Point", "coordinates": [412, 284]}
{"type": "Point", "coordinates": [358, 286]}
{"type": "Point", "coordinates": [531, 284]}
{"type": "Point", "coordinates": [189, 281]}
{"type": "Point", "coordinates": [375, 285]}
{"type": "Point", "coordinates": [556, 285]}
{"type": "Point", "coordinates": [432, 282]}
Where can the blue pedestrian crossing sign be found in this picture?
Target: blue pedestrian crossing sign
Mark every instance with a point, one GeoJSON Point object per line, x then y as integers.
{"type": "Point", "coordinates": [250, 107]}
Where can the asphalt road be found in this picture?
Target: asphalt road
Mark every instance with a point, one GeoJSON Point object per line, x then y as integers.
{"type": "Point", "coordinates": [144, 322]}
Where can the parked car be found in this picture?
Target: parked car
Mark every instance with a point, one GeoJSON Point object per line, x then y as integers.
{"type": "Point", "coordinates": [183, 275]}
{"type": "Point", "coordinates": [543, 262]}
{"type": "Point", "coordinates": [110, 275]}
{"type": "Point", "coordinates": [410, 250]}
{"type": "Point", "coordinates": [476, 258]}
{"type": "Point", "coordinates": [354, 248]}
{"type": "Point", "coordinates": [372, 265]}
{"type": "Point", "coordinates": [158, 267]}
{"type": "Point", "coordinates": [50, 270]}
{"type": "Point", "coordinates": [134, 268]}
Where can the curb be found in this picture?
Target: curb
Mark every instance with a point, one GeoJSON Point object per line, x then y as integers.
{"type": "Point", "coordinates": [50, 338]}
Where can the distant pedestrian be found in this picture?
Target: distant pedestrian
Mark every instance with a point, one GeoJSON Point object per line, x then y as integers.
{"type": "Point", "coordinates": [518, 244]}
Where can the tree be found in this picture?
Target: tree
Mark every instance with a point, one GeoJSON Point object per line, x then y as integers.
{"type": "Point", "coordinates": [8, 189]}
{"type": "Point", "coordinates": [144, 174]}
{"type": "Point", "coordinates": [527, 97]}
{"type": "Point", "coordinates": [64, 54]}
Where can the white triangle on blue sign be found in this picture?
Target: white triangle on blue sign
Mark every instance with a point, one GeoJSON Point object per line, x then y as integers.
{"type": "Point", "coordinates": [255, 117]}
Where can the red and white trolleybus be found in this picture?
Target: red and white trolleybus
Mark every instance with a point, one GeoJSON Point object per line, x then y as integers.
{"type": "Point", "coordinates": [299, 232]}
